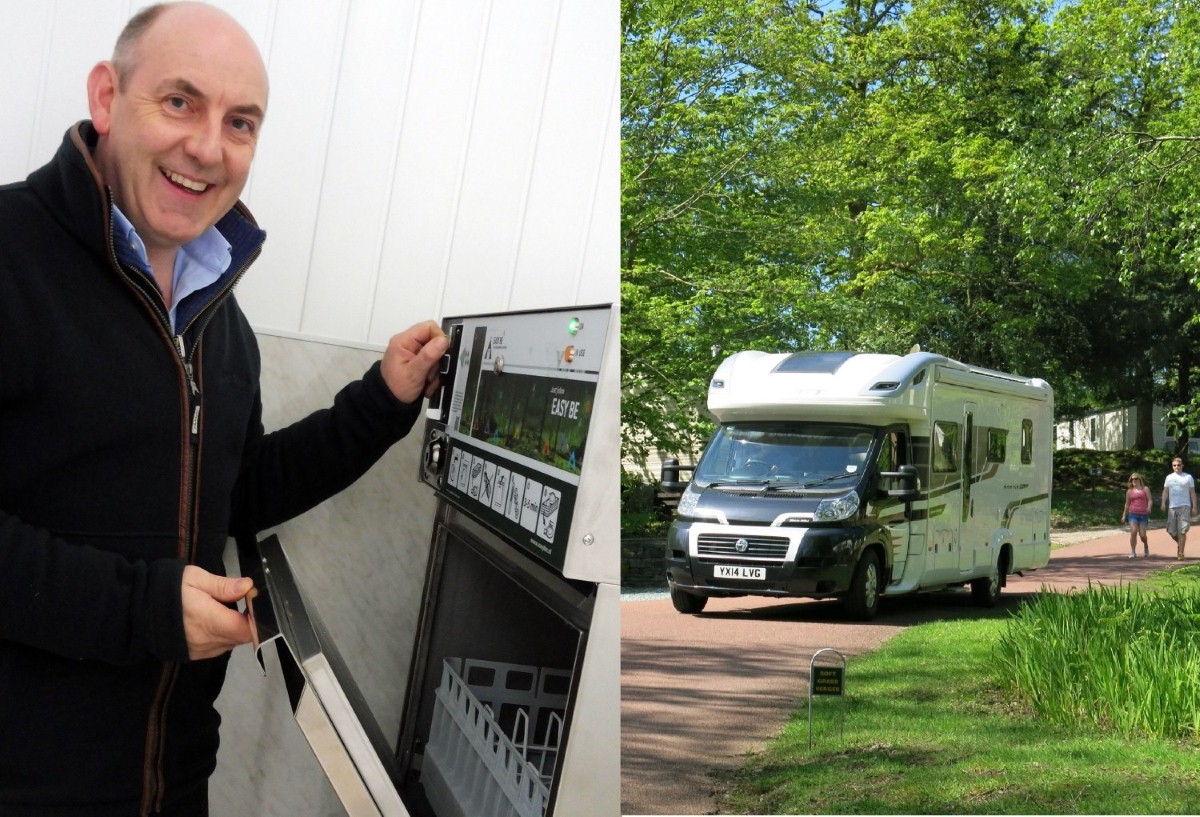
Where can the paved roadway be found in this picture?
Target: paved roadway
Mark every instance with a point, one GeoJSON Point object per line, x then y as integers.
{"type": "Point", "coordinates": [700, 692]}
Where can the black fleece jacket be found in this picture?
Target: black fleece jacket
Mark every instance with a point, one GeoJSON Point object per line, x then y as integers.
{"type": "Point", "coordinates": [117, 470]}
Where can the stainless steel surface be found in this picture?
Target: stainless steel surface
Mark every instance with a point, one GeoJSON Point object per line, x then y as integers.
{"type": "Point", "coordinates": [325, 700]}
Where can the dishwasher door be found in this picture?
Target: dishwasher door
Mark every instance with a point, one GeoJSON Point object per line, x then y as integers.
{"type": "Point", "coordinates": [327, 704]}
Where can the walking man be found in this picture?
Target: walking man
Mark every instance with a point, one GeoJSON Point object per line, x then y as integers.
{"type": "Point", "coordinates": [1179, 501]}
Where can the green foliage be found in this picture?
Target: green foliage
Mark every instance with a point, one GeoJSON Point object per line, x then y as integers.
{"type": "Point", "coordinates": [641, 516]}
{"type": "Point", "coordinates": [1108, 471]}
{"type": "Point", "coordinates": [1007, 182]}
{"type": "Point", "coordinates": [1119, 659]}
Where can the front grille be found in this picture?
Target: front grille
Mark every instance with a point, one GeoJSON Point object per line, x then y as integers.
{"type": "Point", "coordinates": [712, 547]}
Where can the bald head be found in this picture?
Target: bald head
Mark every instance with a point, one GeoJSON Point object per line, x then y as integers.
{"type": "Point", "coordinates": [182, 17]}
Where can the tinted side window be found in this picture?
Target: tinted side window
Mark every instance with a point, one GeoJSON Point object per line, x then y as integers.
{"type": "Point", "coordinates": [945, 447]}
{"type": "Point", "coordinates": [997, 440]}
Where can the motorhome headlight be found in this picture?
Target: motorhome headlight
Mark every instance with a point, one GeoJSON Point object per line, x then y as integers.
{"type": "Point", "coordinates": [688, 502]}
{"type": "Point", "coordinates": [838, 508]}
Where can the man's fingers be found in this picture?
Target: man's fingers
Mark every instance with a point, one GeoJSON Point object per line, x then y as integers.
{"type": "Point", "coordinates": [221, 588]}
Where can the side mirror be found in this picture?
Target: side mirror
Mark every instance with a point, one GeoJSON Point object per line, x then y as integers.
{"type": "Point", "coordinates": [904, 483]}
{"type": "Point", "coordinates": [671, 471]}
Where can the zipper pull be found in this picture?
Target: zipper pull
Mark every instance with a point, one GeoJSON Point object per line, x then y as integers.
{"type": "Point", "coordinates": [181, 346]}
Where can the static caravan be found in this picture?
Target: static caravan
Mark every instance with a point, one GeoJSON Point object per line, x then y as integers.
{"type": "Point", "coordinates": [858, 475]}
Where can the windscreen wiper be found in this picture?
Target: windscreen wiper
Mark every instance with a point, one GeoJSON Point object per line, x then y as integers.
{"type": "Point", "coordinates": [736, 483]}
{"type": "Point", "coordinates": [824, 480]}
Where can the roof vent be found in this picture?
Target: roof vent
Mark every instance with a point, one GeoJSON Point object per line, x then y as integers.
{"type": "Point", "coordinates": [887, 385]}
{"type": "Point", "coordinates": [813, 362]}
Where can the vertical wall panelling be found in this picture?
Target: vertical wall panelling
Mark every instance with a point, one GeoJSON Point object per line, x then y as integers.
{"type": "Point", "coordinates": [572, 140]}
{"type": "Point", "coordinates": [497, 161]}
{"type": "Point", "coordinates": [345, 254]}
{"type": "Point", "coordinates": [24, 65]}
{"type": "Point", "coordinates": [601, 254]}
{"type": "Point", "coordinates": [428, 164]}
{"type": "Point", "coordinates": [63, 96]}
{"type": "Point", "coordinates": [290, 163]}
{"type": "Point", "coordinates": [258, 17]}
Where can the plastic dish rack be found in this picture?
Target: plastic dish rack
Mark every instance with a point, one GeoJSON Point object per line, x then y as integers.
{"type": "Point", "coordinates": [494, 739]}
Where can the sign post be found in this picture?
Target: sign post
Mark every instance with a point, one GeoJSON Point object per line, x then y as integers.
{"type": "Point", "coordinates": [826, 679]}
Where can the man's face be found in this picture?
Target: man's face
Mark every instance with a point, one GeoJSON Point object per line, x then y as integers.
{"type": "Point", "coordinates": [178, 140]}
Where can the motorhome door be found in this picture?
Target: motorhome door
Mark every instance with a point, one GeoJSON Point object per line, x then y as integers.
{"type": "Point", "coordinates": [894, 451]}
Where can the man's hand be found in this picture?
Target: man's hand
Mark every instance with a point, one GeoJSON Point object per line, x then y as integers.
{"type": "Point", "coordinates": [211, 628]}
{"type": "Point", "coordinates": [410, 364]}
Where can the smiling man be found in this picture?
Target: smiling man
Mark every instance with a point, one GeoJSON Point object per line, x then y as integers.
{"type": "Point", "coordinates": [131, 442]}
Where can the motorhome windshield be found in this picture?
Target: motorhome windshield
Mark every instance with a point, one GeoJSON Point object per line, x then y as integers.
{"type": "Point", "coordinates": [803, 454]}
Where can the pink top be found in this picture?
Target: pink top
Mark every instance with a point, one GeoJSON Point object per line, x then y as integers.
{"type": "Point", "coordinates": [1139, 500]}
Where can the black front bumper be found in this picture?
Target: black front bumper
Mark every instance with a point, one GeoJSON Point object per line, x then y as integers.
{"type": "Point", "coordinates": [823, 566]}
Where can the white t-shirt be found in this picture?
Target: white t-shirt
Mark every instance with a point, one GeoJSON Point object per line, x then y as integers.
{"type": "Point", "coordinates": [1178, 490]}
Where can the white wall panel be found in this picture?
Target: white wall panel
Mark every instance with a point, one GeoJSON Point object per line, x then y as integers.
{"type": "Point", "coordinates": [23, 62]}
{"type": "Point", "coordinates": [487, 223]}
{"type": "Point", "coordinates": [564, 207]}
{"type": "Point", "coordinates": [429, 165]}
{"type": "Point", "coordinates": [598, 283]}
{"type": "Point", "coordinates": [65, 99]}
{"type": "Point", "coordinates": [377, 53]}
{"type": "Point", "coordinates": [303, 63]}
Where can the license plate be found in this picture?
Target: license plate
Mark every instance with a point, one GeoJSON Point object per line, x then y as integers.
{"type": "Point", "coordinates": [740, 572]}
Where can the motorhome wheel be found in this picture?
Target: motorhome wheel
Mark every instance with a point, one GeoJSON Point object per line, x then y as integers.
{"type": "Point", "coordinates": [687, 602]}
{"type": "Point", "coordinates": [985, 591]}
{"type": "Point", "coordinates": [862, 599]}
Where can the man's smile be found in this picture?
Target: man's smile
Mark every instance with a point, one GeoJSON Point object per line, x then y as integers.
{"type": "Point", "coordinates": [183, 181]}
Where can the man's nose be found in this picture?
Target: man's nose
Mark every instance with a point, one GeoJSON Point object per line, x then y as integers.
{"type": "Point", "coordinates": [204, 143]}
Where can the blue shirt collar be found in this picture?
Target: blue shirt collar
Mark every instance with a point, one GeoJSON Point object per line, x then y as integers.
{"type": "Point", "coordinates": [200, 262]}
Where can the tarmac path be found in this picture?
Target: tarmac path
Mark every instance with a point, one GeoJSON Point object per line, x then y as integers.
{"type": "Point", "coordinates": [700, 692]}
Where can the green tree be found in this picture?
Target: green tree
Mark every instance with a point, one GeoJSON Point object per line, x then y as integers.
{"type": "Point", "coordinates": [1116, 148]}
{"type": "Point", "coordinates": [1001, 181]}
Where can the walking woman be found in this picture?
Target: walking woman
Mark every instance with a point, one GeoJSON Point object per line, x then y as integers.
{"type": "Point", "coordinates": [1137, 509]}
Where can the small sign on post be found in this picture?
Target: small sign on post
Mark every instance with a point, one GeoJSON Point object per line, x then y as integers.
{"type": "Point", "coordinates": [826, 679]}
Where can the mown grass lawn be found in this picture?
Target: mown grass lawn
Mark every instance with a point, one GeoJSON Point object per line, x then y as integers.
{"type": "Point", "coordinates": [929, 730]}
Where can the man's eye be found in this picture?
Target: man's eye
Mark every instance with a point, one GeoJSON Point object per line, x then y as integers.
{"type": "Point", "coordinates": [177, 103]}
{"type": "Point", "coordinates": [242, 125]}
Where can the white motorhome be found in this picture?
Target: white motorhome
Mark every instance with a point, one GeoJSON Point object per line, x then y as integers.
{"type": "Point", "coordinates": [858, 475]}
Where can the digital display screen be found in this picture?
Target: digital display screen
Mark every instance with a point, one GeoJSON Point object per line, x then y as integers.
{"type": "Point", "coordinates": [544, 420]}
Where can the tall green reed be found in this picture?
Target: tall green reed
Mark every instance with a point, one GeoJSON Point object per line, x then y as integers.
{"type": "Point", "coordinates": [1119, 658]}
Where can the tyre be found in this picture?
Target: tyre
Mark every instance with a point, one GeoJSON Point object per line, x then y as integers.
{"type": "Point", "coordinates": [985, 591]}
{"type": "Point", "coordinates": [687, 602]}
{"type": "Point", "coordinates": [862, 599]}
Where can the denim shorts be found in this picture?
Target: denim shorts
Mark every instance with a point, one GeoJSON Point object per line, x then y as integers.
{"type": "Point", "coordinates": [1142, 519]}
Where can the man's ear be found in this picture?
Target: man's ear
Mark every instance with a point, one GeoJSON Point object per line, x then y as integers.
{"type": "Point", "coordinates": [101, 90]}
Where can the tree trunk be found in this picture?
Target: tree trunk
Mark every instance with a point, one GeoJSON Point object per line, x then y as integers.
{"type": "Point", "coordinates": [1143, 437]}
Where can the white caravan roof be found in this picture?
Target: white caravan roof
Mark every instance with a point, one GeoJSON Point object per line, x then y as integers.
{"type": "Point", "coordinates": [847, 386]}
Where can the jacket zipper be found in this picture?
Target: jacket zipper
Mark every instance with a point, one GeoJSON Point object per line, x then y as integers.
{"type": "Point", "coordinates": [153, 784]}
{"type": "Point", "coordinates": [154, 792]}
